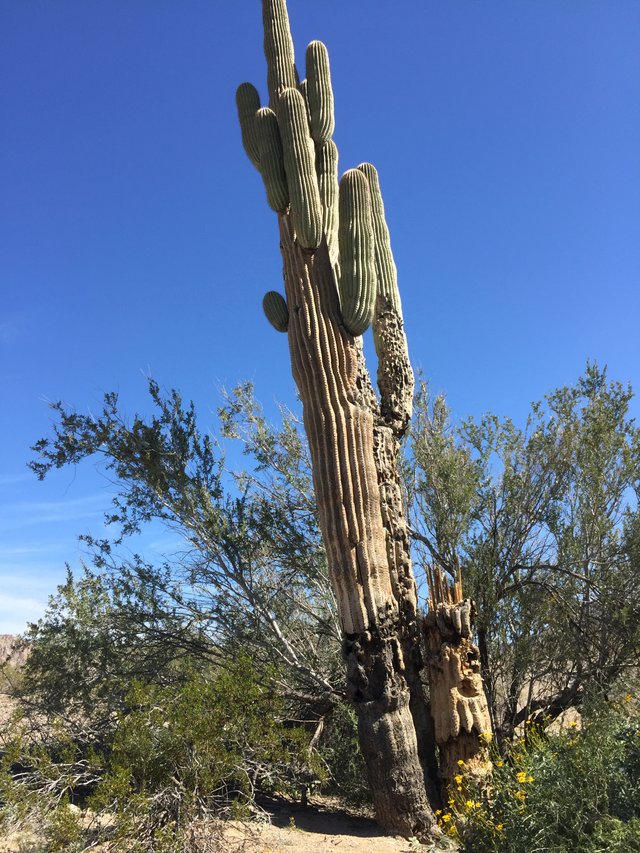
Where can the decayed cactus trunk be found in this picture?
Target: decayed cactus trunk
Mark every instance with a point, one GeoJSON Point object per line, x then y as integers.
{"type": "Point", "coordinates": [340, 278]}
{"type": "Point", "coordinates": [458, 702]}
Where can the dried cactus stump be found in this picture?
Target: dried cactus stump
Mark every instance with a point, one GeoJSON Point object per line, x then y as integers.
{"type": "Point", "coordinates": [458, 703]}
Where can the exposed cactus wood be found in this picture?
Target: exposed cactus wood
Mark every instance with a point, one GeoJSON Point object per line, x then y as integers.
{"type": "Point", "coordinates": [248, 103]}
{"type": "Point", "coordinates": [275, 308]}
{"type": "Point", "coordinates": [458, 703]}
{"type": "Point", "coordinates": [299, 166]}
{"type": "Point", "coordinates": [395, 376]}
{"type": "Point", "coordinates": [319, 93]}
{"type": "Point", "coordinates": [271, 159]}
{"type": "Point", "coordinates": [356, 252]}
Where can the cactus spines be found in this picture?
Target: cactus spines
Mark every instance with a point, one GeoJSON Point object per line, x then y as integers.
{"type": "Point", "coordinates": [299, 166]}
{"type": "Point", "coordinates": [385, 265]}
{"type": "Point", "coordinates": [271, 159]}
{"type": "Point", "coordinates": [276, 311]}
{"type": "Point", "coordinates": [278, 49]}
{"type": "Point", "coordinates": [327, 172]}
{"type": "Point", "coordinates": [357, 261]}
{"type": "Point", "coordinates": [319, 92]}
{"type": "Point", "coordinates": [248, 103]}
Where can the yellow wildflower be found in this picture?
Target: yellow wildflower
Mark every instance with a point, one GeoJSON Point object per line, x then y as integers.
{"type": "Point", "coordinates": [499, 827]}
{"type": "Point", "coordinates": [446, 818]}
{"type": "Point", "coordinates": [572, 724]}
{"type": "Point", "coordinates": [460, 762]}
{"type": "Point", "coordinates": [519, 795]}
{"type": "Point", "coordinates": [523, 777]}
{"type": "Point", "coordinates": [499, 763]}
{"type": "Point", "coordinates": [628, 697]}
{"type": "Point", "coordinates": [469, 804]}
{"type": "Point", "coordinates": [438, 811]}
{"type": "Point", "coordinates": [458, 779]}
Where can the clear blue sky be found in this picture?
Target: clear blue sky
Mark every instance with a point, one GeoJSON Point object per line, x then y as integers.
{"type": "Point", "coordinates": [135, 237]}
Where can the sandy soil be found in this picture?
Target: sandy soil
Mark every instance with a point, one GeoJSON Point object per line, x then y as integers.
{"type": "Point", "coordinates": [321, 827]}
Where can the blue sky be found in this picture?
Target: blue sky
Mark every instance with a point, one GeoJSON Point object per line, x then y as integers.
{"type": "Point", "coordinates": [135, 238]}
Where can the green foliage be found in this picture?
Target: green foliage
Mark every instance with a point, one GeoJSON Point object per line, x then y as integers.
{"type": "Point", "coordinates": [340, 750]}
{"type": "Point", "coordinates": [174, 755]}
{"type": "Point", "coordinates": [544, 522]}
{"type": "Point", "coordinates": [211, 744]}
{"type": "Point", "coordinates": [575, 791]}
{"type": "Point", "coordinates": [250, 573]}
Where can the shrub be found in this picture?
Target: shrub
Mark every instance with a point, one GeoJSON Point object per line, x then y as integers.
{"type": "Point", "coordinates": [175, 757]}
{"type": "Point", "coordinates": [575, 791]}
{"type": "Point", "coordinates": [340, 750]}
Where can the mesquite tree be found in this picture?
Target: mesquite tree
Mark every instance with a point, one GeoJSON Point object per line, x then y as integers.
{"type": "Point", "coordinates": [339, 279]}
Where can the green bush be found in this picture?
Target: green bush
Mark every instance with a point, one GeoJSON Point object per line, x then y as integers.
{"type": "Point", "coordinates": [576, 791]}
{"type": "Point", "coordinates": [340, 750]}
{"type": "Point", "coordinates": [175, 756]}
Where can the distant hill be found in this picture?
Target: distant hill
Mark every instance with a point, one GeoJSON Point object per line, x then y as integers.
{"type": "Point", "coordinates": [12, 651]}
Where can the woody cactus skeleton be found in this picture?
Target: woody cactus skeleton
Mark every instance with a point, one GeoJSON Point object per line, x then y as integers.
{"type": "Point", "coordinates": [339, 279]}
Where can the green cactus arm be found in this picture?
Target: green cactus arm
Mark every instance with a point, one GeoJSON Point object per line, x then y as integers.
{"type": "Point", "coordinates": [278, 49]}
{"type": "Point", "coordinates": [299, 166]}
{"type": "Point", "coordinates": [276, 311]}
{"type": "Point", "coordinates": [248, 103]}
{"type": "Point", "coordinates": [271, 159]}
{"type": "Point", "coordinates": [357, 260]}
{"type": "Point", "coordinates": [327, 173]}
{"type": "Point", "coordinates": [319, 92]}
{"type": "Point", "coordinates": [386, 271]}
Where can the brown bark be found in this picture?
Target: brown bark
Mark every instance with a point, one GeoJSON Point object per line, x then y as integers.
{"type": "Point", "coordinates": [354, 447]}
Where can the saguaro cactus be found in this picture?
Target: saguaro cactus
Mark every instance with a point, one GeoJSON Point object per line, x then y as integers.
{"type": "Point", "coordinates": [339, 278]}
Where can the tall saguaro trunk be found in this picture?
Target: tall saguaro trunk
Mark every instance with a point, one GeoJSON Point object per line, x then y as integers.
{"type": "Point", "coordinates": [357, 487]}
{"type": "Point", "coordinates": [340, 279]}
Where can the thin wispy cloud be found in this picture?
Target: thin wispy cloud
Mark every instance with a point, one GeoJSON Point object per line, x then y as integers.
{"type": "Point", "coordinates": [11, 329]}
{"type": "Point", "coordinates": [14, 479]}
{"type": "Point", "coordinates": [34, 513]}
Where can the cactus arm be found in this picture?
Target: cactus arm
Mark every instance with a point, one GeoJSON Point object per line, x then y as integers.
{"type": "Point", "coordinates": [385, 265]}
{"type": "Point", "coordinates": [357, 259]}
{"type": "Point", "coordinates": [299, 166]}
{"type": "Point", "coordinates": [320, 93]}
{"type": "Point", "coordinates": [327, 173]}
{"type": "Point", "coordinates": [275, 308]}
{"type": "Point", "coordinates": [248, 103]}
{"type": "Point", "coordinates": [278, 49]}
{"type": "Point", "coordinates": [271, 159]}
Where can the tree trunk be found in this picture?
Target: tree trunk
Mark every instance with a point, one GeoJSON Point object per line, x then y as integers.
{"type": "Point", "coordinates": [354, 443]}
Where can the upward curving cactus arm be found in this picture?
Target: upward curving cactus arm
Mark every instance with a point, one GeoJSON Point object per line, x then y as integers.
{"type": "Point", "coordinates": [327, 173]}
{"type": "Point", "coordinates": [385, 264]}
{"type": "Point", "coordinates": [357, 260]}
{"type": "Point", "coordinates": [248, 103]}
{"type": "Point", "coordinates": [278, 49]}
{"type": "Point", "coordinates": [271, 159]}
{"type": "Point", "coordinates": [395, 376]}
{"type": "Point", "coordinates": [299, 166]}
{"type": "Point", "coordinates": [320, 93]}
